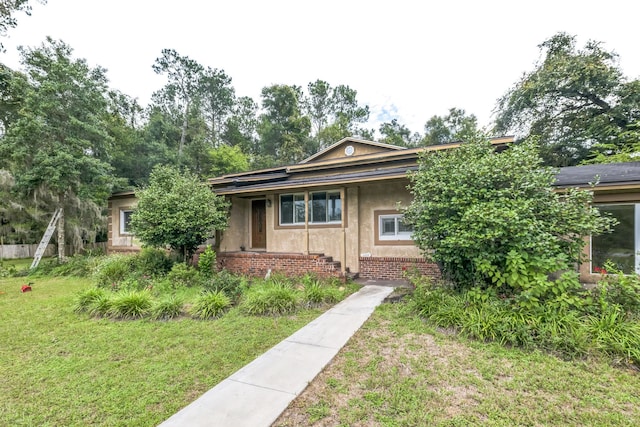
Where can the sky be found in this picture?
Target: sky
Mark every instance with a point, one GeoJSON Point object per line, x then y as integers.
{"type": "Point", "coordinates": [407, 59]}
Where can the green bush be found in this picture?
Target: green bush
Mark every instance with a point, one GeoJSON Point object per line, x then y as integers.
{"type": "Point", "coordinates": [7, 270]}
{"type": "Point", "coordinates": [270, 298]}
{"type": "Point", "coordinates": [168, 307]}
{"type": "Point", "coordinates": [619, 289]}
{"type": "Point", "coordinates": [87, 298]}
{"type": "Point", "coordinates": [112, 270]}
{"type": "Point", "coordinates": [210, 305]}
{"type": "Point", "coordinates": [207, 264]}
{"type": "Point", "coordinates": [152, 262]}
{"type": "Point", "coordinates": [182, 274]}
{"type": "Point", "coordinates": [130, 304]}
{"type": "Point", "coordinates": [77, 265]}
{"type": "Point", "coordinates": [231, 284]}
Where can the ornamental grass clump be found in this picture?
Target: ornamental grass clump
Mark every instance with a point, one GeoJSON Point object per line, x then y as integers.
{"type": "Point", "coordinates": [270, 298]}
{"type": "Point", "coordinates": [316, 293]}
{"type": "Point", "coordinates": [168, 307]}
{"type": "Point", "coordinates": [100, 306]}
{"type": "Point", "coordinates": [113, 270]}
{"type": "Point", "coordinates": [210, 305]}
{"type": "Point", "coordinates": [87, 298]}
{"type": "Point", "coordinates": [131, 305]}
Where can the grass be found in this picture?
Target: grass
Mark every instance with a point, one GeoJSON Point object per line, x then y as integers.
{"type": "Point", "coordinates": [58, 367]}
{"type": "Point", "coordinates": [396, 371]}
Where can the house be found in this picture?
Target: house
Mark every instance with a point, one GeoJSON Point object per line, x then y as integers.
{"type": "Point", "coordinates": [337, 213]}
{"type": "Point", "coordinates": [617, 193]}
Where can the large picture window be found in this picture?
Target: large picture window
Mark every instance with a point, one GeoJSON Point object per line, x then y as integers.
{"type": "Point", "coordinates": [125, 221]}
{"type": "Point", "coordinates": [324, 207]}
{"type": "Point", "coordinates": [391, 227]}
{"type": "Point", "coordinates": [621, 245]}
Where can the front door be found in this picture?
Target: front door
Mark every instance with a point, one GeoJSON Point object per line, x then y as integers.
{"type": "Point", "coordinates": [258, 224]}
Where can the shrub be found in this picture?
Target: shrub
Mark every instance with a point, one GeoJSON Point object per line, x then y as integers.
{"type": "Point", "coordinates": [77, 265]}
{"type": "Point", "coordinates": [617, 288]}
{"type": "Point", "coordinates": [207, 262]}
{"type": "Point", "coordinates": [7, 270]}
{"type": "Point", "coordinates": [113, 270]}
{"type": "Point", "coordinates": [231, 284]}
{"type": "Point", "coordinates": [183, 275]}
{"type": "Point", "coordinates": [270, 298]}
{"type": "Point", "coordinates": [210, 305]}
{"type": "Point", "coordinates": [477, 210]}
{"type": "Point", "coordinates": [168, 307]}
{"type": "Point", "coordinates": [87, 298]}
{"type": "Point", "coordinates": [152, 262]}
{"type": "Point", "coordinates": [130, 304]}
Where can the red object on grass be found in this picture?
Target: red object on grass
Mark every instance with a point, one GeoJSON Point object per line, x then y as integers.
{"type": "Point", "coordinates": [26, 288]}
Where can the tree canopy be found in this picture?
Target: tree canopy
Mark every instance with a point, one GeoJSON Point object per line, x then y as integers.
{"type": "Point", "coordinates": [178, 211]}
{"type": "Point", "coordinates": [577, 102]}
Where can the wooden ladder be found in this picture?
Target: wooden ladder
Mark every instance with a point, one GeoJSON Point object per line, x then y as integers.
{"type": "Point", "coordinates": [46, 238]}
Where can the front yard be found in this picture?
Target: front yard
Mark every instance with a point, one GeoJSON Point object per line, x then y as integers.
{"type": "Point", "coordinates": [61, 368]}
{"type": "Point", "coordinates": [397, 371]}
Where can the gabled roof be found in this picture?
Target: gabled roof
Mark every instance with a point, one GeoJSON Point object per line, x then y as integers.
{"type": "Point", "coordinates": [606, 175]}
{"type": "Point", "coordinates": [384, 162]}
{"type": "Point", "coordinates": [378, 146]}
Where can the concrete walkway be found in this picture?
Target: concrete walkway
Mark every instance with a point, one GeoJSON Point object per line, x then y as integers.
{"type": "Point", "coordinates": [259, 392]}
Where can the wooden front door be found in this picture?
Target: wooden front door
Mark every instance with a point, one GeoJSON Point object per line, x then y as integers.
{"type": "Point", "coordinates": [258, 224]}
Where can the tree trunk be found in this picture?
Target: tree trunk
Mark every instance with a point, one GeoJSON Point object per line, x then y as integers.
{"type": "Point", "coordinates": [61, 237]}
{"type": "Point", "coordinates": [183, 134]}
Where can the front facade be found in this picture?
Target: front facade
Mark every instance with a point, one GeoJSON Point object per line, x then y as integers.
{"type": "Point", "coordinates": [335, 213]}
{"type": "Point", "coordinates": [339, 212]}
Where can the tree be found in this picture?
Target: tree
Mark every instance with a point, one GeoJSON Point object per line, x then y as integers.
{"type": "Point", "coordinates": [217, 97]}
{"type": "Point", "coordinates": [240, 127]}
{"type": "Point", "coordinates": [398, 134]}
{"type": "Point", "coordinates": [576, 101]}
{"type": "Point", "coordinates": [494, 220]}
{"type": "Point", "coordinates": [334, 112]}
{"type": "Point", "coordinates": [227, 159]}
{"type": "Point", "coordinates": [7, 16]}
{"type": "Point", "coordinates": [455, 126]}
{"type": "Point", "coordinates": [283, 129]}
{"type": "Point", "coordinates": [178, 211]}
{"type": "Point", "coordinates": [184, 75]}
{"type": "Point", "coordinates": [58, 147]}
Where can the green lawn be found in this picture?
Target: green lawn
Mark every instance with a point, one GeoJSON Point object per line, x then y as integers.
{"type": "Point", "coordinates": [58, 368]}
{"type": "Point", "coordinates": [396, 371]}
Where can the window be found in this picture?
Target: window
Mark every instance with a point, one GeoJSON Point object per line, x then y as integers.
{"type": "Point", "coordinates": [324, 207]}
{"type": "Point", "coordinates": [125, 221]}
{"type": "Point", "coordinates": [391, 227]}
{"type": "Point", "coordinates": [621, 246]}
{"type": "Point", "coordinates": [292, 209]}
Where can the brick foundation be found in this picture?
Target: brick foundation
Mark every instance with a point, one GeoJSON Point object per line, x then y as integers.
{"type": "Point", "coordinates": [386, 268]}
{"type": "Point", "coordinates": [256, 264]}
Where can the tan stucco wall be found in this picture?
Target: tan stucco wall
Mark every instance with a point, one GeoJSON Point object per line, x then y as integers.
{"type": "Point", "coordinates": [237, 233]}
{"type": "Point", "coordinates": [117, 240]}
{"type": "Point", "coordinates": [359, 150]}
{"type": "Point", "coordinates": [377, 197]}
{"type": "Point", "coordinates": [342, 244]}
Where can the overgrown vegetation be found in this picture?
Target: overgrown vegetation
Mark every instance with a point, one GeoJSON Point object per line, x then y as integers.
{"type": "Point", "coordinates": [493, 220]}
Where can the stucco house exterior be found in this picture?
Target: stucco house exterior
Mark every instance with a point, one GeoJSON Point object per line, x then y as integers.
{"type": "Point", "coordinates": [337, 213]}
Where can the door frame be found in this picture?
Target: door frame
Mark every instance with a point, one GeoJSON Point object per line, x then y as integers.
{"type": "Point", "coordinates": [264, 224]}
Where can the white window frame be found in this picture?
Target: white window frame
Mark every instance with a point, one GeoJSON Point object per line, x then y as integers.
{"type": "Point", "coordinates": [398, 235]}
{"type": "Point", "coordinates": [326, 198]}
{"type": "Point", "coordinates": [123, 229]}
{"type": "Point", "coordinates": [636, 232]}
